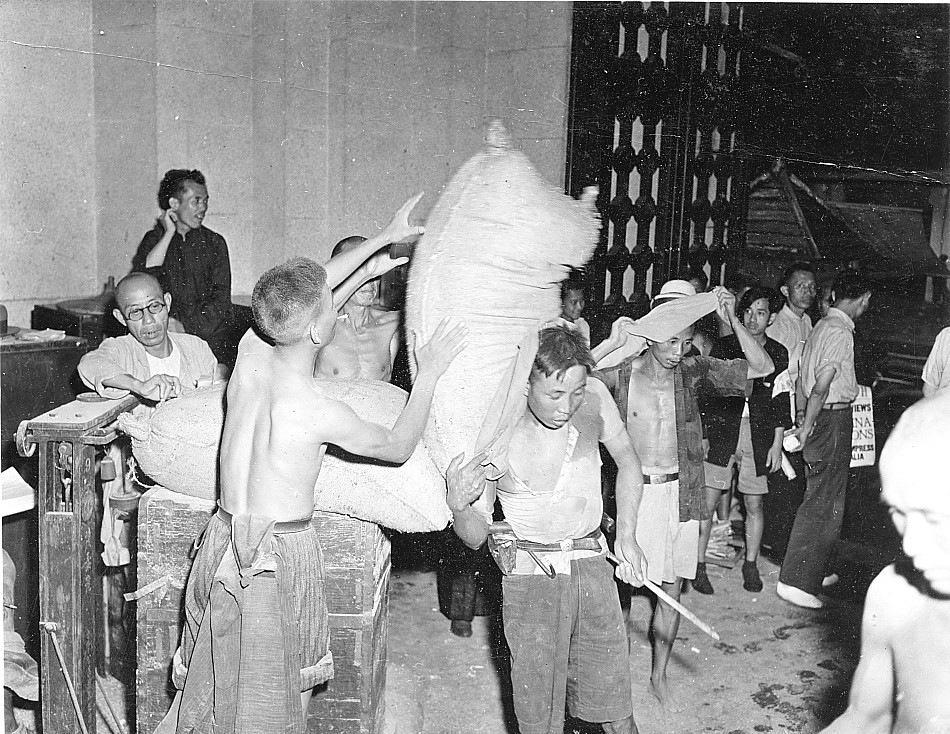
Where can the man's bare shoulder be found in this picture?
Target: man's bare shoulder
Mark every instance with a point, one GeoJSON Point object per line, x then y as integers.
{"type": "Point", "coordinates": [892, 600]}
{"type": "Point", "coordinates": [597, 391]}
{"type": "Point", "coordinates": [638, 363]}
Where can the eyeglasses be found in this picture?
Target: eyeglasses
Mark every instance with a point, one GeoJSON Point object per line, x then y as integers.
{"type": "Point", "coordinates": [137, 314]}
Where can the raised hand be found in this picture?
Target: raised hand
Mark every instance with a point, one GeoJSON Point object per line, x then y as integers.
{"type": "Point", "coordinates": [465, 483]}
{"type": "Point", "coordinates": [160, 388]}
{"type": "Point", "coordinates": [169, 220]}
{"type": "Point", "coordinates": [381, 263]}
{"type": "Point", "coordinates": [399, 228]}
{"type": "Point", "coordinates": [620, 328]}
{"type": "Point", "coordinates": [727, 304]}
{"type": "Point", "coordinates": [439, 352]}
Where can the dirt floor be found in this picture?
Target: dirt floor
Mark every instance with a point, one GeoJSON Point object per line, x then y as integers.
{"type": "Point", "coordinates": [777, 668]}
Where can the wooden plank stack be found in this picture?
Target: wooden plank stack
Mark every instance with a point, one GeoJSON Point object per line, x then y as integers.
{"type": "Point", "coordinates": [357, 561]}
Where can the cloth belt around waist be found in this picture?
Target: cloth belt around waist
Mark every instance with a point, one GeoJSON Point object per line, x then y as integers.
{"type": "Point", "coordinates": [591, 541]}
{"type": "Point", "coordinates": [835, 406]}
{"type": "Point", "coordinates": [280, 528]}
{"type": "Point", "coordinates": [660, 478]}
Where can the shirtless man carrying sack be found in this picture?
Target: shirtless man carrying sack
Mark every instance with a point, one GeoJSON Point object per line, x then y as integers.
{"type": "Point", "coordinates": [256, 633]}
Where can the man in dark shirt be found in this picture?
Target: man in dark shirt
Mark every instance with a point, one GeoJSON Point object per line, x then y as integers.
{"type": "Point", "coordinates": [746, 432]}
{"type": "Point", "coordinates": [192, 263]}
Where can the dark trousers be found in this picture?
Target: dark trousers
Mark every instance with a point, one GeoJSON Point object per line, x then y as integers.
{"type": "Point", "coordinates": [817, 527]}
{"type": "Point", "coordinates": [468, 581]}
{"type": "Point", "coordinates": [781, 505]}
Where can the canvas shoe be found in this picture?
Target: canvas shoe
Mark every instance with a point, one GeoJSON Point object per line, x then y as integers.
{"type": "Point", "coordinates": [798, 597]}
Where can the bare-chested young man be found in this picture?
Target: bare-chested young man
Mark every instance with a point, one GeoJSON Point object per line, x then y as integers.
{"type": "Point", "coordinates": [366, 338]}
{"type": "Point", "coordinates": [902, 681]}
{"type": "Point", "coordinates": [561, 609]}
{"type": "Point", "coordinates": [657, 390]}
{"type": "Point", "coordinates": [260, 552]}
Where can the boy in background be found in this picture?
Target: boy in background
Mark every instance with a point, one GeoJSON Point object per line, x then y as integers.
{"type": "Point", "coordinates": [572, 306]}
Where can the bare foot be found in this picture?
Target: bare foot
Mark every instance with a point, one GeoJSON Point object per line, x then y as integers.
{"type": "Point", "coordinates": [663, 693]}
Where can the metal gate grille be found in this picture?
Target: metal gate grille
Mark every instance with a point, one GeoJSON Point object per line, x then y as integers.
{"type": "Point", "coordinates": [655, 113]}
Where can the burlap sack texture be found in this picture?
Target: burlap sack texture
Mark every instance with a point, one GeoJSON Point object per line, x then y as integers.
{"type": "Point", "coordinates": [177, 446]}
{"type": "Point", "coordinates": [498, 243]}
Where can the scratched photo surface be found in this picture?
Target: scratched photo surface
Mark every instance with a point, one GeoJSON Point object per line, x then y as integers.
{"type": "Point", "coordinates": [731, 139]}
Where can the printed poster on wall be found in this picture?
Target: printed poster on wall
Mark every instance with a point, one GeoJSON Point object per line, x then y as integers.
{"type": "Point", "coordinates": [862, 430]}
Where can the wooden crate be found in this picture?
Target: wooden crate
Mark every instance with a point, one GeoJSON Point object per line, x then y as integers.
{"type": "Point", "coordinates": [168, 524]}
{"type": "Point", "coordinates": [357, 559]}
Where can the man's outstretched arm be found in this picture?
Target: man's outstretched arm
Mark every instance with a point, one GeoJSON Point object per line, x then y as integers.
{"type": "Point", "coordinates": [342, 427]}
{"type": "Point", "coordinates": [341, 267]}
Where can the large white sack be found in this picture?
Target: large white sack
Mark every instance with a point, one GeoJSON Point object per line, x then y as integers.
{"type": "Point", "coordinates": [177, 446]}
{"type": "Point", "coordinates": [498, 243]}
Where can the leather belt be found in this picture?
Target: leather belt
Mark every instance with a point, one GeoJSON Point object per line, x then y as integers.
{"type": "Point", "coordinates": [591, 541]}
{"type": "Point", "coordinates": [835, 406]}
{"type": "Point", "coordinates": [660, 478]}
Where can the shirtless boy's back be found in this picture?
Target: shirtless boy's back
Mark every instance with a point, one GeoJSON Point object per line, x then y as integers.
{"type": "Point", "coordinates": [272, 447]}
{"type": "Point", "coordinates": [257, 577]}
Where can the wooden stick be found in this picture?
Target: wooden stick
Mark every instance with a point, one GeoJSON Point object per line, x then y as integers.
{"type": "Point", "coordinates": [663, 596]}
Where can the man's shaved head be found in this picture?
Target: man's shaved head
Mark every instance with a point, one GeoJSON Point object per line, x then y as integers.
{"type": "Point", "coordinates": [914, 459]}
{"type": "Point", "coordinates": [132, 283]}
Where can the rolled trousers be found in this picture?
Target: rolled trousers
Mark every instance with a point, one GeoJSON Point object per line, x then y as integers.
{"type": "Point", "coordinates": [817, 527]}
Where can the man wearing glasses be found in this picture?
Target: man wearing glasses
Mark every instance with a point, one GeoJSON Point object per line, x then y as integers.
{"type": "Point", "coordinates": [149, 361]}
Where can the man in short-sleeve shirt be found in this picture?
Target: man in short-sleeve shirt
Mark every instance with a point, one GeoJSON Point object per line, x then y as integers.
{"type": "Point", "coordinates": [826, 388]}
{"type": "Point", "coordinates": [561, 610]}
{"type": "Point", "coordinates": [792, 324]}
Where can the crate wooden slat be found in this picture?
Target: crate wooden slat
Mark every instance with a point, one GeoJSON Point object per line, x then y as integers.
{"type": "Point", "coordinates": [356, 555]}
{"type": "Point", "coordinates": [357, 558]}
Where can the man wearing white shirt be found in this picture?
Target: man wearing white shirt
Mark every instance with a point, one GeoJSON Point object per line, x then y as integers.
{"type": "Point", "coordinates": [153, 364]}
{"type": "Point", "coordinates": [792, 324]}
{"type": "Point", "coordinates": [149, 361]}
{"type": "Point", "coordinates": [791, 327]}
{"type": "Point", "coordinates": [827, 386]}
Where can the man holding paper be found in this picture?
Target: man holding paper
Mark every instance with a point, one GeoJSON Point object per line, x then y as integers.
{"type": "Point", "coordinates": [826, 388]}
